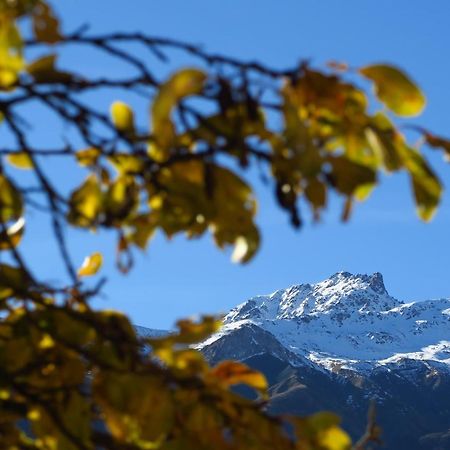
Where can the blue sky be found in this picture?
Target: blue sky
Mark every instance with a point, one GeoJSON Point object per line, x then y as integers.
{"type": "Point", "coordinates": [180, 278]}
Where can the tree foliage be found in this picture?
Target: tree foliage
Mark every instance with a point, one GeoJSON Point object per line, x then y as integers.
{"type": "Point", "coordinates": [75, 378]}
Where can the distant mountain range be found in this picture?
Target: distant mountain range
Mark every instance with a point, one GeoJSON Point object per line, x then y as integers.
{"type": "Point", "coordinates": [337, 344]}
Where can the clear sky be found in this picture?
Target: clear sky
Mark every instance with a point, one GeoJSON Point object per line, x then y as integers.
{"type": "Point", "coordinates": [180, 278]}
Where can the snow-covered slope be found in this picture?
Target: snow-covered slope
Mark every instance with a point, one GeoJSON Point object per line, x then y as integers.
{"type": "Point", "coordinates": [348, 322]}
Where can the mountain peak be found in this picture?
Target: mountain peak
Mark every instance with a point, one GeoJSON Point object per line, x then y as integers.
{"type": "Point", "coordinates": [342, 293]}
{"type": "Point", "coordinates": [375, 281]}
{"type": "Point", "coordinates": [350, 319]}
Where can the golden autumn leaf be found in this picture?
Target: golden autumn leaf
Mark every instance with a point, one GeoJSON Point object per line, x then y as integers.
{"type": "Point", "coordinates": [395, 89]}
{"type": "Point", "coordinates": [11, 53]}
{"type": "Point", "coordinates": [88, 157]}
{"type": "Point", "coordinates": [122, 116]}
{"type": "Point", "coordinates": [85, 203]}
{"type": "Point", "coordinates": [20, 160]}
{"type": "Point", "coordinates": [11, 201]}
{"type": "Point", "coordinates": [231, 373]}
{"type": "Point", "coordinates": [182, 84]}
{"type": "Point", "coordinates": [91, 265]}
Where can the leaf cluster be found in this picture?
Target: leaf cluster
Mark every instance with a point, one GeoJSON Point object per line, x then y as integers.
{"type": "Point", "coordinates": [71, 377]}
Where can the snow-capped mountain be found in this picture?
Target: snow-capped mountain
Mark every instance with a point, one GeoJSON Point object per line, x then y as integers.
{"type": "Point", "coordinates": [348, 322]}
{"type": "Point", "coordinates": [337, 344]}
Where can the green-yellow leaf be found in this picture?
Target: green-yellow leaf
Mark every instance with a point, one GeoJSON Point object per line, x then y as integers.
{"type": "Point", "coordinates": [20, 160]}
{"type": "Point", "coordinates": [11, 202]}
{"type": "Point", "coordinates": [11, 53]}
{"type": "Point", "coordinates": [86, 203]}
{"type": "Point", "coordinates": [334, 438]}
{"type": "Point", "coordinates": [395, 89]}
{"type": "Point", "coordinates": [122, 116]}
{"type": "Point", "coordinates": [91, 265]}
{"type": "Point", "coordinates": [426, 185]}
{"type": "Point", "coordinates": [182, 84]}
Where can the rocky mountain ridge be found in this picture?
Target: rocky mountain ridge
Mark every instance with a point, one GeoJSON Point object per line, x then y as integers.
{"type": "Point", "coordinates": [348, 321]}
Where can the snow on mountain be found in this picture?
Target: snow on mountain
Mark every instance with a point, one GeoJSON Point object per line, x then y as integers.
{"type": "Point", "coordinates": [348, 321]}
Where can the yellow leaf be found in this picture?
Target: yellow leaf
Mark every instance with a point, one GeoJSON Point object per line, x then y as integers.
{"type": "Point", "coordinates": [121, 199]}
{"type": "Point", "coordinates": [46, 342]}
{"type": "Point", "coordinates": [232, 372]}
{"type": "Point", "coordinates": [122, 116]}
{"type": "Point", "coordinates": [126, 163]}
{"type": "Point", "coordinates": [85, 203]}
{"type": "Point", "coordinates": [11, 57]}
{"type": "Point", "coordinates": [88, 157]}
{"type": "Point", "coordinates": [426, 185]}
{"type": "Point", "coordinates": [334, 438]}
{"type": "Point", "coordinates": [11, 202]}
{"type": "Point", "coordinates": [91, 265]}
{"type": "Point", "coordinates": [20, 160]}
{"type": "Point", "coordinates": [395, 89]}
{"type": "Point", "coordinates": [182, 84]}
{"type": "Point", "coordinates": [349, 177]}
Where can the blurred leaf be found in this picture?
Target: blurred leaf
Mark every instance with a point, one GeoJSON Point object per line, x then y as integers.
{"type": "Point", "coordinates": [43, 71]}
{"type": "Point", "coordinates": [11, 202]}
{"type": "Point", "coordinates": [11, 57]}
{"type": "Point", "coordinates": [123, 117]}
{"type": "Point", "coordinates": [245, 247]}
{"type": "Point", "coordinates": [45, 24]}
{"type": "Point", "coordinates": [426, 185]}
{"type": "Point", "coordinates": [395, 89]}
{"type": "Point", "coordinates": [348, 177]}
{"type": "Point", "coordinates": [232, 372]}
{"type": "Point", "coordinates": [121, 200]}
{"type": "Point", "coordinates": [191, 332]}
{"type": "Point", "coordinates": [20, 160]}
{"type": "Point", "coordinates": [13, 281]}
{"type": "Point", "coordinates": [184, 83]}
{"type": "Point", "coordinates": [91, 265]}
{"type": "Point", "coordinates": [126, 163]}
{"type": "Point", "coordinates": [85, 203]}
{"type": "Point", "coordinates": [320, 431]}
{"type": "Point", "coordinates": [12, 236]}
{"type": "Point", "coordinates": [439, 142]}
{"type": "Point", "coordinates": [88, 157]}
